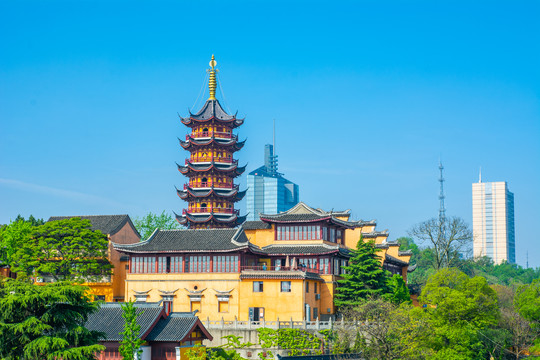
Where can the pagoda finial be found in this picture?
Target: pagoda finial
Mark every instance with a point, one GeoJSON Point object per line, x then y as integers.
{"type": "Point", "coordinates": [212, 79]}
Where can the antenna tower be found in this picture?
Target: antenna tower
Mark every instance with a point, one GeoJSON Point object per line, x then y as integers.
{"type": "Point", "coordinates": [442, 210]}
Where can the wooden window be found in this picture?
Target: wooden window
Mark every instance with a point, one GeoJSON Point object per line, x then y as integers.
{"type": "Point", "coordinates": [315, 287]}
{"type": "Point", "coordinates": [307, 287]}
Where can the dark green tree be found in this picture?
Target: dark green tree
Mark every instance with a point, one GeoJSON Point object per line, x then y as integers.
{"type": "Point", "coordinates": [149, 223]}
{"type": "Point", "coordinates": [66, 250]}
{"type": "Point", "coordinates": [364, 277]}
{"type": "Point", "coordinates": [32, 220]}
{"type": "Point", "coordinates": [46, 322]}
{"type": "Point", "coordinates": [130, 346]}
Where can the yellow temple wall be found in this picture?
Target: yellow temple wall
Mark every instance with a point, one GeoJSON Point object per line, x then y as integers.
{"type": "Point", "coordinates": [261, 237]}
{"type": "Point", "coordinates": [208, 282]}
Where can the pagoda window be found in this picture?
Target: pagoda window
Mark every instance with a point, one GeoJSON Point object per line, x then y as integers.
{"type": "Point", "coordinates": [339, 236]}
{"type": "Point", "coordinates": [176, 264]}
{"type": "Point", "coordinates": [197, 264]}
{"type": "Point", "coordinates": [225, 263]}
{"type": "Point", "coordinates": [337, 267]}
{"type": "Point", "coordinates": [332, 235]}
{"type": "Point", "coordinates": [324, 266]}
{"type": "Point", "coordinates": [325, 233]}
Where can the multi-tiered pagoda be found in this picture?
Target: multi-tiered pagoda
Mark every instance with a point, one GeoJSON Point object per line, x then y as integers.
{"type": "Point", "coordinates": [211, 169]}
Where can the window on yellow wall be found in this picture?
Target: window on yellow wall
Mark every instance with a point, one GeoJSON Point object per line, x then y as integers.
{"type": "Point", "coordinates": [285, 286]}
{"type": "Point", "coordinates": [195, 305]}
{"type": "Point", "coordinates": [223, 306]}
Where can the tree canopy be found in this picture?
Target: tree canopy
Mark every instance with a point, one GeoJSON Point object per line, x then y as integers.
{"type": "Point", "coordinates": [65, 250]}
{"type": "Point", "coordinates": [130, 346]}
{"type": "Point", "coordinates": [46, 322]}
{"type": "Point", "coordinates": [363, 278]}
{"type": "Point", "coordinates": [150, 222]}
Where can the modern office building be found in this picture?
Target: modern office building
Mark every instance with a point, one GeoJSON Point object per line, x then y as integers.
{"type": "Point", "coordinates": [493, 221]}
{"type": "Point", "coordinates": [268, 191]}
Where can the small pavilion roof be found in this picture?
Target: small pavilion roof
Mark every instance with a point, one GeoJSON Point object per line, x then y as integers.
{"type": "Point", "coordinates": [199, 240]}
{"type": "Point", "coordinates": [108, 319]}
{"type": "Point", "coordinates": [107, 224]}
{"type": "Point", "coordinates": [302, 213]}
{"type": "Point", "coordinates": [176, 327]}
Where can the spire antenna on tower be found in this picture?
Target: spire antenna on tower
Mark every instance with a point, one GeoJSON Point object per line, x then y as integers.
{"type": "Point", "coordinates": [480, 175]}
{"type": "Point", "coordinates": [442, 210]}
{"type": "Point", "coordinates": [212, 80]}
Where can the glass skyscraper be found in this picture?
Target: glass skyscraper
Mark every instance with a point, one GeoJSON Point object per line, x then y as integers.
{"type": "Point", "coordinates": [493, 221]}
{"type": "Point", "coordinates": [268, 191]}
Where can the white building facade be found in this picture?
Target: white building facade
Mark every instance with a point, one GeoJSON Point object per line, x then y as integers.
{"type": "Point", "coordinates": [493, 221]}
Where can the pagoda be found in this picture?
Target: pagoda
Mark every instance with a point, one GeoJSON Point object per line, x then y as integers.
{"type": "Point", "coordinates": [211, 169]}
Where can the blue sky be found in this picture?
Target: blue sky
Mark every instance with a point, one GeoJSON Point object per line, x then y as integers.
{"type": "Point", "coordinates": [367, 95]}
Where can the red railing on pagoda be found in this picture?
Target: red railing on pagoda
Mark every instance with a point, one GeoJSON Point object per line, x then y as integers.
{"type": "Point", "coordinates": [195, 159]}
{"type": "Point", "coordinates": [207, 134]}
{"type": "Point", "coordinates": [209, 209]}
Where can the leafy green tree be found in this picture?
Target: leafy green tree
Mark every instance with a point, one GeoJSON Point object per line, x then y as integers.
{"type": "Point", "coordinates": [364, 277]}
{"type": "Point", "coordinates": [66, 250]}
{"type": "Point", "coordinates": [149, 223]}
{"type": "Point", "coordinates": [12, 238]}
{"type": "Point", "coordinates": [399, 292]}
{"type": "Point", "coordinates": [130, 346]}
{"type": "Point", "coordinates": [46, 322]}
{"type": "Point", "coordinates": [458, 307]}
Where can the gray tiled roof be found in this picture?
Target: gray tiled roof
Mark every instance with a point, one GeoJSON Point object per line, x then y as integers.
{"type": "Point", "coordinates": [291, 274]}
{"type": "Point", "coordinates": [296, 249]}
{"type": "Point", "coordinates": [392, 260]}
{"type": "Point", "coordinates": [108, 319]}
{"type": "Point", "coordinates": [256, 225]}
{"type": "Point", "coordinates": [200, 240]}
{"type": "Point", "coordinates": [174, 328]}
{"type": "Point", "coordinates": [107, 224]}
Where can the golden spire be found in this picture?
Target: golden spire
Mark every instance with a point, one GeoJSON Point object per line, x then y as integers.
{"type": "Point", "coordinates": [212, 79]}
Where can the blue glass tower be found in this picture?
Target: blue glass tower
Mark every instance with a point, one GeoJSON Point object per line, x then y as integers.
{"type": "Point", "coordinates": [268, 191]}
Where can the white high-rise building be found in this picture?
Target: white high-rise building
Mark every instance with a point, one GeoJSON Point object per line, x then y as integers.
{"type": "Point", "coordinates": [493, 221]}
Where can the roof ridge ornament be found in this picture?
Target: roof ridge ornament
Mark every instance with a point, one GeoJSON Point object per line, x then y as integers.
{"type": "Point", "coordinates": [212, 79]}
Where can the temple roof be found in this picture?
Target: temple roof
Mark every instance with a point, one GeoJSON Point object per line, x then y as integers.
{"type": "Point", "coordinates": [304, 213]}
{"type": "Point", "coordinates": [199, 240]}
{"type": "Point", "coordinates": [392, 260]}
{"type": "Point", "coordinates": [209, 192]}
{"type": "Point", "coordinates": [285, 275]}
{"type": "Point", "coordinates": [108, 319]}
{"type": "Point", "coordinates": [301, 249]}
{"type": "Point", "coordinates": [256, 225]}
{"type": "Point", "coordinates": [212, 110]}
{"type": "Point", "coordinates": [176, 327]}
{"type": "Point", "coordinates": [107, 224]}
{"type": "Point", "coordinates": [205, 167]}
{"type": "Point", "coordinates": [208, 141]}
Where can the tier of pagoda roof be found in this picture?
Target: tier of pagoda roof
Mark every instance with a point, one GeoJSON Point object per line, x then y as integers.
{"type": "Point", "coordinates": [190, 193]}
{"type": "Point", "coordinates": [231, 169]}
{"type": "Point", "coordinates": [211, 219]}
{"type": "Point", "coordinates": [212, 112]}
{"type": "Point", "coordinates": [195, 143]}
